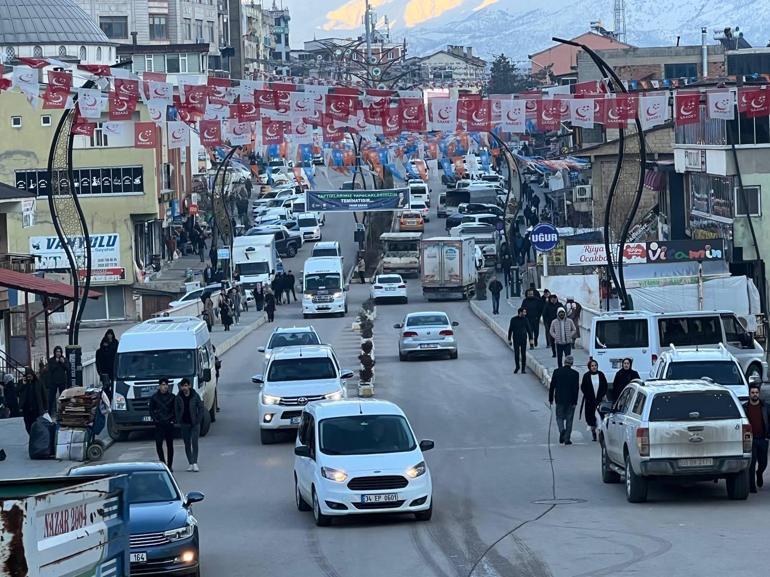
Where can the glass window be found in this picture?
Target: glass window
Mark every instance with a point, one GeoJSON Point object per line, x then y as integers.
{"type": "Point", "coordinates": [187, 29]}
{"type": "Point", "coordinates": [680, 71]}
{"type": "Point", "coordinates": [689, 331]}
{"type": "Point", "coordinates": [365, 435]}
{"type": "Point", "coordinates": [99, 138]}
{"type": "Point", "coordinates": [389, 279]}
{"type": "Point", "coordinates": [150, 487]}
{"type": "Point", "coordinates": [158, 28]}
{"type": "Point", "coordinates": [622, 334]}
{"type": "Point", "coordinates": [297, 339]}
{"type": "Point", "coordinates": [624, 400]}
{"type": "Point", "coordinates": [83, 53]}
{"type": "Point", "coordinates": [692, 406]}
{"type": "Point", "coordinates": [159, 61]}
{"type": "Point", "coordinates": [726, 373]}
{"type": "Point", "coordinates": [427, 320]}
{"type": "Point", "coordinates": [115, 27]}
{"type": "Point", "coordinates": [253, 268]}
{"type": "Point", "coordinates": [199, 30]}
{"type": "Point", "coordinates": [172, 63]}
{"type": "Point", "coordinates": [325, 281]}
{"type": "Point", "coordinates": [301, 369]}
{"type": "Point", "coordinates": [37, 52]}
{"type": "Point", "coordinates": [639, 404]}
{"type": "Point", "coordinates": [210, 32]}
{"type": "Point", "coordinates": [750, 195]}
{"type": "Point", "coordinates": [156, 364]}
{"type": "Point", "coordinates": [733, 329]}
{"type": "Point", "coordinates": [148, 63]}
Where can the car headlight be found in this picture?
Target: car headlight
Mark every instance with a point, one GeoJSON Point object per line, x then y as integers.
{"type": "Point", "coordinates": [335, 475]}
{"type": "Point", "coordinates": [307, 297]}
{"type": "Point", "coordinates": [270, 399]}
{"type": "Point", "coordinates": [335, 396]}
{"type": "Point", "coordinates": [181, 533]}
{"type": "Point", "coordinates": [118, 402]}
{"type": "Point", "coordinates": [337, 295]}
{"type": "Point", "coordinates": [416, 471]}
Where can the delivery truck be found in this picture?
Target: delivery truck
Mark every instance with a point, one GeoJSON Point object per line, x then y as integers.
{"type": "Point", "coordinates": [448, 268]}
{"type": "Point", "coordinates": [255, 259]}
{"type": "Point", "coordinates": [53, 527]}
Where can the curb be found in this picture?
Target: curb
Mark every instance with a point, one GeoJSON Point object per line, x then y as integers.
{"type": "Point", "coordinates": [538, 369]}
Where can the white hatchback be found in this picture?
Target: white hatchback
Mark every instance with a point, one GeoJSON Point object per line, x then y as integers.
{"type": "Point", "coordinates": [389, 286]}
{"type": "Point", "coordinates": [357, 457]}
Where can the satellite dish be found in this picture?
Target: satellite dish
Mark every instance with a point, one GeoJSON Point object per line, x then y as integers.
{"type": "Point", "coordinates": [338, 52]}
{"type": "Point", "coordinates": [372, 60]}
{"type": "Point", "coordinates": [376, 72]}
{"type": "Point", "coordinates": [319, 58]}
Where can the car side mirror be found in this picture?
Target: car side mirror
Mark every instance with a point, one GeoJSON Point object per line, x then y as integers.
{"type": "Point", "coordinates": [261, 349]}
{"type": "Point", "coordinates": [302, 451]}
{"type": "Point", "coordinates": [257, 379]}
{"type": "Point", "coordinates": [605, 408]}
{"type": "Point", "coordinates": [426, 445]}
{"type": "Point", "coordinates": [398, 326]}
{"type": "Point", "coordinates": [455, 324]}
{"type": "Point", "coordinates": [193, 497]}
{"type": "Point", "coordinates": [206, 375]}
{"type": "Point", "coordinates": [346, 374]}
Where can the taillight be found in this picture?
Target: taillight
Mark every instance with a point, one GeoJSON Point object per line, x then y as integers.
{"type": "Point", "coordinates": [446, 333]}
{"type": "Point", "coordinates": [377, 286]}
{"type": "Point", "coordinates": [748, 439]}
{"type": "Point", "coordinates": [643, 441]}
{"type": "Point", "coordinates": [402, 286]}
{"type": "Point", "coordinates": [654, 359]}
{"type": "Point", "coordinates": [409, 334]}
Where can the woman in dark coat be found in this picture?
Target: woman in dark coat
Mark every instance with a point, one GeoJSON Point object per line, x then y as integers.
{"type": "Point", "coordinates": [624, 376]}
{"type": "Point", "coordinates": [105, 359]}
{"type": "Point", "coordinates": [594, 389]}
{"type": "Point", "coordinates": [259, 298]}
{"type": "Point", "coordinates": [226, 311]}
{"type": "Point", "coordinates": [270, 305]}
{"type": "Point", "coordinates": [33, 398]}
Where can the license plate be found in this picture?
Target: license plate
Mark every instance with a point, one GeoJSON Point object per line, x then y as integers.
{"type": "Point", "coordinates": [383, 498]}
{"type": "Point", "coordinates": [295, 420]}
{"type": "Point", "coordinates": [390, 288]}
{"type": "Point", "coordinates": [147, 419]}
{"type": "Point", "coordinates": [428, 346]}
{"type": "Point", "coordinates": [138, 557]}
{"type": "Point", "coordinates": [696, 462]}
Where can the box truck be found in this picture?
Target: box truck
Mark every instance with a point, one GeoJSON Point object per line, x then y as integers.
{"type": "Point", "coordinates": [448, 268]}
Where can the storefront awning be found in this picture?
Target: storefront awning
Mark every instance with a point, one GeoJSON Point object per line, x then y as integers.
{"type": "Point", "coordinates": [40, 286]}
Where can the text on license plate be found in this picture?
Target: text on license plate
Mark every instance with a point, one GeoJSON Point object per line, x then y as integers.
{"type": "Point", "coordinates": [138, 558]}
{"type": "Point", "coordinates": [147, 418]}
{"type": "Point", "coordinates": [430, 346]}
{"type": "Point", "coordinates": [383, 498]}
{"type": "Point", "coordinates": [390, 288]}
{"type": "Point", "coordinates": [705, 462]}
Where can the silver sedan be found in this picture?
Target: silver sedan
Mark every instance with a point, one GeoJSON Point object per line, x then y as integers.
{"type": "Point", "coordinates": [426, 333]}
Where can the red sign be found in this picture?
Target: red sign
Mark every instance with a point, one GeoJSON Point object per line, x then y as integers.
{"type": "Point", "coordinates": [54, 99]}
{"type": "Point", "coordinates": [686, 108]}
{"type": "Point", "coordinates": [105, 274]}
{"type": "Point", "coordinates": [60, 80]}
{"type": "Point", "coordinates": [340, 106]}
{"type": "Point", "coordinates": [210, 132]}
{"type": "Point", "coordinates": [754, 102]}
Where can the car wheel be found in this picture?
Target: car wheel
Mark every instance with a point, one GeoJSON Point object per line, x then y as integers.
{"type": "Point", "coordinates": [406, 300]}
{"type": "Point", "coordinates": [608, 475]}
{"type": "Point", "coordinates": [402, 356]}
{"type": "Point", "coordinates": [291, 251]}
{"type": "Point", "coordinates": [320, 519]}
{"type": "Point", "coordinates": [266, 436]}
{"type": "Point", "coordinates": [206, 424]}
{"type": "Point", "coordinates": [113, 431]}
{"type": "Point", "coordinates": [738, 486]}
{"type": "Point", "coordinates": [301, 503]}
{"type": "Point", "coordinates": [453, 355]}
{"type": "Point", "coordinates": [636, 486]}
{"type": "Point", "coordinates": [425, 515]}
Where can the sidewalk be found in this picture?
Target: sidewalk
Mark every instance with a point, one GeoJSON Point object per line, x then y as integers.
{"type": "Point", "coordinates": [539, 360]}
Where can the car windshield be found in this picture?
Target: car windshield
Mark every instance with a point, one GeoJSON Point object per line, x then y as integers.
{"type": "Point", "coordinates": [394, 246]}
{"type": "Point", "coordinates": [366, 435]}
{"type": "Point", "coordinates": [252, 268]}
{"type": "Point", "coordinates": [391, 279]}
{"type": "Point", "coordinates": [293, 339]}
{"type": "Point", "coordinates": [325, 252]}
{"type": "Point", "coordinates": [694, 405]}
{"type": "Point", "coordinates": [155, 364]}
{"type": "Point", "coordinates": [721, 372]}
{"type": "Point", "coordinates": [426, 320]}
{"type": "Point", "coordinates": [301, 369]}
{"type": "Point", "coordinates": [322, 281]}
{"type": "Point", "coordinates": [308, 222]}
{"type": "Point", "coordinates": [622, 334]}
{"type": "Point", "coordinates": [150, 487]}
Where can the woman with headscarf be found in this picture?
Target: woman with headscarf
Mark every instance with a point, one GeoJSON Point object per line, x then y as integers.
{"type": "Point", "coordinates": [226, 310]}
{"type": "Point", "coordinates": [259, 298]}
{"type": "Point", "coordinates": [10, 391]}
{"type": "Point", "coordinates": [208, 310]}
{"type": "Point", "coordinates": [594, 389]}
{"type": "Point", "coordinates": [57, 377]}
{"type": "Point", "coordinates": [105, 360]}
{"type": "Point", "coordinates": [270, 305]}
{"type": "Point", "coordinates": [624, 376]}
{"type": "Point", "coordinates": [33, 398]}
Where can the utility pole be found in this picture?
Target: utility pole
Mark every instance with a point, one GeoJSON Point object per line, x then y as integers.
{"type": "Point", "coordinates": [620, 20]}
{"type": "Point", "coordinates": [368, 24]}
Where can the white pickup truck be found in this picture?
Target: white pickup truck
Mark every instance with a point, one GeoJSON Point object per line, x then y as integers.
{"type": "Point", "coordinates": [690, 430]}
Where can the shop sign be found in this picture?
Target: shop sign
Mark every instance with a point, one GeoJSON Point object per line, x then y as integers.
{"type": "Point", "coordinates": [115, 180]}
{"type": "Point", "coordinates": [105, 275]}
{"type": "Point", "coordinates": [105, 252]}
{"type": "Point", "coordinates": [648, 252]}
{"type": "Point", "coordinates": [595, 254]}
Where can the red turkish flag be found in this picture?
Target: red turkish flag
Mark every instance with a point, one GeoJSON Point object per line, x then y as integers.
{"type": "Point", "coordinates": [264, 99]}
{"type": "Point", "coordinates": [145, 134]}
{"type": "Point", "coordinates": [330, 132]}
{"type": "Point", "coordinates": [377, 105]}
{"type": "Point", "coordinates": [479, 116]}
{"type": "Point", "coordinates": [247, 112]}
{"type": "Point", "coordinates": [210, 132]}
{"type": "Point", "coordinates": [341, 106]}
{"type": "Point", "coordinates": [126, 88]}
{"type": "Point", "coordinates": [273, 130]}
{"type": "Point", "coordinates": [600, 110]}
{"type": "Point", "coordinates": [549, 114]}
{"type": "Point", "coordinates": [686, 108]}
{"type": "Point", "coordinates": [754, 102]}
{"type": "Point", "coordinates": [60, 80]}
{"type": "Point", "coordinates": [121, 108]}
{"type": "Point", "coordinates": [54, 99]}
{"type": "Point", "coordinates": [33, 62]}
{"type": "Point", "coordinates": [217, 90]}
{"type": "Point", "coordinates": [283, 95]}
{"type": "Point", "coordinates": [412, 113]}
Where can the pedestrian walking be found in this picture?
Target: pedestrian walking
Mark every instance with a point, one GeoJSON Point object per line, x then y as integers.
{"type": "Point", "coordinates": [284, 286]}
{"type": "Point", "coordinates": [105, 360]}
{"type": "Point", "coordinates": [519, 332]}
{"type": "Point", "coordinates": [551, 308]}
{"type": "Point", "coordinates": [361, 269]}
{"type": "Point", "coordinates": [163, 414]}
{"type": "Point", "coordinates": [270, 305]}
{"type": "Point", "coordinates": [495, 287]}
{"type": "Point", "coordinates": [534, 307]}
{"type": "Point", "coordinates": [565, 383]}
{"type": "Point", "coordinates": [208, 275]}
{"type": "Point", "coordinates": [33, 398]}
{"type": "Point", "coordinates": [291, 281]}
{"type": "Point", "coordinates": [235, 298]}
{"type": "Point", "coordinates": [201, 248]}
{"type": "Point", "coordinates": [213, 255]}
{"type": "Point", "coordinates": [277, 286]}
{"type": "Point", "coordinates": [56, 375]}
{"type": "Point", "coordinates": [170, 245]}
{"type": "Point", "coordinates": [574, 309]}
{"type": "Point", "coordinates": [188, 413]}
{"type": "Point", "coordinates": [259, 298]}
{"type": "Point", "coordinates": [11, 394]}
{"type": "Point", "coordinates": [208, 311]}
{"type": "Point", "coordinates": [225, 310]}
{"type": "Point", "coordinates": [563, 335]}
{"type": "Point", "coordinates": [625, 375]}
{"type": "Point", "coordinates": [757, 414]}
{"type": "Point", "coordinates": [594, 389]}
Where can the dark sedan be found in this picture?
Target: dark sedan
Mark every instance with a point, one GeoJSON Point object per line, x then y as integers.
{"type": "Point", "coordinates": [164, 532]}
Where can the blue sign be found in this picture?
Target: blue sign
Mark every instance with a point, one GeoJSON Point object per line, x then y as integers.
{"type": "Point", "coordinates": [544, 237]}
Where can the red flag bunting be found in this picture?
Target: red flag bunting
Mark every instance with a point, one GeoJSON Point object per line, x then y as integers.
{"type": "Point", "coordinates": [60, 80]}
{"type": "Point", "coordinates": [121, 108]}
{"type": "Point", "coordinates": [54, 99]}
{"type": "Point", "coordinates": [96, 69]}
{"type": "Point", "coordinates": [145, 134]}
{"type": "Point", "coordinates": [210, 132]}
{"type": "Point", "coordinates": [686, 108]}
{"type": "Point", "coordinates": [412, 114]}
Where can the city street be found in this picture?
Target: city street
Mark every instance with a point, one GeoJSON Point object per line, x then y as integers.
{"type": "Point", "coordinates": [508, 501]}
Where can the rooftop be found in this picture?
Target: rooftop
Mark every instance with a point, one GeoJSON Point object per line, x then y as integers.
{"type": "Point", "coordinates": [24, 22]}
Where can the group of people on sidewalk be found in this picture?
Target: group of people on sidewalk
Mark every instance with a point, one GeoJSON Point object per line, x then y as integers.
{"type": "Point", "coordinates": [168, 410]}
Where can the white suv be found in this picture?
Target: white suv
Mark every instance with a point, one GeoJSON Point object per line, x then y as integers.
{"type": "Point", "coordinates": [691, 430]}
{"type": "Point", "coordinates": [293, 377]}
{"type": "Point", "coordinates": [360, 457]}
{"type": "Point", "coordinates": [714, 363]}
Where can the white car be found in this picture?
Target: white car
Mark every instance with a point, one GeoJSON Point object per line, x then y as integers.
{"type": "Point", "coordinates": [309, 225]}
{"type": "Point", "coordinates": [421, 207]}
{"type": "Point", "coordinates": [293, 377]}
{"type": "Point", "coordinates": [360, 457]}
{"type": "Point", "coordinates": [389, 286]}
{"type": "Point", "coordinates": [289, 337]}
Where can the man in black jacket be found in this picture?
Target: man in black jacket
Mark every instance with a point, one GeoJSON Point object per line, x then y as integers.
{"type": "Point", "coordinates": [519, 331]}
{"type": "Point", "coordinates": [495, 287]}
{"type": "Point", "coordinates": [291, 281]}
{"type": "Point", "coordinates": [163, 413]}
{"type": "Point", "coordinates": [188, 411]}
{"type": "Point", "coordinates": [533, 304]}
{"type": "Point", "coordinates": [759, 419]}
{"type": "Point", "coordinates": [56, 378]}
{"type": "Point", "coordinates": [565, 384]}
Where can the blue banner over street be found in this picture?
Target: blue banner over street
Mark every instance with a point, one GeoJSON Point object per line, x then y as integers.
{"type": "Point", "coordinates": [357, 200]}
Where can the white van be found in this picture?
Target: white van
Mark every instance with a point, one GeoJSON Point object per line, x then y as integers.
{"type": "Point", "coordinates": [172, 347]}
{"type": "Point", "coordinates": [323, 287]}
{"type": "Point", "coordinates": [642, 335]}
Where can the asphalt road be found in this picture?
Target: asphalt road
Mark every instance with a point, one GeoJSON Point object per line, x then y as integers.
{"type": "Point", "coordinates": [508, 502]}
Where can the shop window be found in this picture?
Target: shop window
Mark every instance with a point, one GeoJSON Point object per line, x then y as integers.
{"type": "Point", "coordinates": [750, 195]}
{"type": "Point", "coordinates": [110, 306]}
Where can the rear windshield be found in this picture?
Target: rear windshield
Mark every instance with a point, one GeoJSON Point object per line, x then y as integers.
{"type": "Point", "coordinates": [427, 320]}
{"type": "Point", "coordinates": [721, 372]}
{"type": "Point", "coordinates": [325, 252]}
{"type": "Point", "coordinates": [393, 279]}
{"type": "Point", "coordinates": [622, 334]}
{"type": "Point", "coordinates": [308, 221]}
{"type": "Point", "coordinates": [694, 406]}
{"type": "Point", "coordinates": [690, 331]}
{"type": "Point", "coordinates": [293, 340]}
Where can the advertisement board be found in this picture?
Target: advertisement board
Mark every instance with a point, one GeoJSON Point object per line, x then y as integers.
{"type": "Point", "coordinates": [105, 255]}
{"type": "Point", "coordinates": [357, 200]}
{"type": "Point", "coordinates": [658, 251]}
